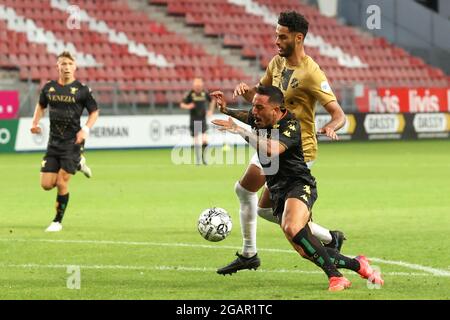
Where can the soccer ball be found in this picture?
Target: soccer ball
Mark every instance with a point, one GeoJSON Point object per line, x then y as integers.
{"type": "Point", "coordinates": [214, 224]}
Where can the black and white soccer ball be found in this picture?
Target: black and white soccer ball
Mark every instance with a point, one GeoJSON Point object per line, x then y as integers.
{"type": "Point", "coordinates": [214, 224]}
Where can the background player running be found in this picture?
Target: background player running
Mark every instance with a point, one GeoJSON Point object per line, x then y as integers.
{"type": "Point", "coordinates": [66, 99]}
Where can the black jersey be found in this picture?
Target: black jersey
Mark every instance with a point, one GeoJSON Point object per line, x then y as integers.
{"type": "Point", "coordinates": [66, 104]}
{"type": "Point", "coordinates": [291, 167]}
{"type": "Point", "coordinates": [201, 101]}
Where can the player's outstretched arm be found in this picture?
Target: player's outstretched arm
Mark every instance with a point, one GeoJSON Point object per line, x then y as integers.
{"type": "Point", "coordinates": [84, 132]}
{"type": "Point", "coordinates": [269, 147]}
{"type": "Point", "coordinates": [337, 120]}
{"type": "Point", "coordinates": [38, 114]}
{"type": "Point", "coordinates": [241, 115]}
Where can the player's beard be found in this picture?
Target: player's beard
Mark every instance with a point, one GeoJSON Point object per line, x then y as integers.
{"type": "Point", "coordinates": [288, 50]}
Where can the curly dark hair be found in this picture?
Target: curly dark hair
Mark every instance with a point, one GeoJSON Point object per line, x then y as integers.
{"type": "Point", "coordinates": [294, 21]}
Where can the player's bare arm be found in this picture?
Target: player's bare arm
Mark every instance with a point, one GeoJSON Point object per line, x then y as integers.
{"type": "Point", "coordinates": [84, 132]}
{"type": "Point", "coordinates": [243, 89]}
{"type": "Point", "coordinates": [337, 121]}
{"type": "Point", "coordinates": [241, 115]}
{"type": "Point", "coordinates": [269, 147]}
{"type": "Point", "coordinates": [187, 106]}
{"type": "Point", "coordinates": [38, 114]}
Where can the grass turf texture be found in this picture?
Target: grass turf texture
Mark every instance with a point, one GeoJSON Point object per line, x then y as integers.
{"type": "Point", "coordinates": [391, 199]}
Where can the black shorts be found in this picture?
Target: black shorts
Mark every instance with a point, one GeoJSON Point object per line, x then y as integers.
{"type": "Point", "coordinates": [197, 126]}
{"type": "Point", "coordinates": [303, 192]}
{"type": "Point", "coordinates": [65, 157]}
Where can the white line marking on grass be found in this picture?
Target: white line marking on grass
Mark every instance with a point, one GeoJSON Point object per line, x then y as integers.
{"type": "Point", "coordinates": [433, 271]}
{"type": "Point", "coordinates": [180, 268]}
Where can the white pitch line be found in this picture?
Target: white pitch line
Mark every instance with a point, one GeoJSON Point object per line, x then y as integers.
{"type": "Point", "coordinates": [433, 271]}
{"type": "Point", "coordinates": [178, 268]}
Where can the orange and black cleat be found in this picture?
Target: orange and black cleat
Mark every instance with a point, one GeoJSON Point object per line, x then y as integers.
{"type": "Point", "coordinates": [366, 271]}
{"type": "Point", "coordinates": [339, 284]}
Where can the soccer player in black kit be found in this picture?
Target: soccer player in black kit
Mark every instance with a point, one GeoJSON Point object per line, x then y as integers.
{"type": "Point", "coordinates": [66, 99]}
{"type": "Point", "coordinates": [200, 104]}
{"type": "Point", "coordinates": [277, 139]}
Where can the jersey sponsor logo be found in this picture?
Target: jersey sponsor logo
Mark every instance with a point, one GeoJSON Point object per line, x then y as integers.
{"type": "Point", "coordinates": [286, 75]}
{"type": "Point", "coordinates": [61, 98]}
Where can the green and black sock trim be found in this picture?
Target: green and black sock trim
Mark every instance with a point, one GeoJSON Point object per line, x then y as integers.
{"type": "Point", "coordinates": [314, 249]}
{"type": "Point", "coordinates": [61, 205]}
{"type": "Point", "coordinates": [341, 261]}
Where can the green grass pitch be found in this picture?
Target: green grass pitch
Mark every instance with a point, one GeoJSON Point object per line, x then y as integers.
{"type": "Point", "coordinates": [131, 229]}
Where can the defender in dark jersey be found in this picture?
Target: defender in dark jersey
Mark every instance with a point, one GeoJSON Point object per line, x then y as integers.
{"type": "Point", "coordinates": [200, 105]}
{"type": "Point", "coordinates": [66, 99]}
{"type": "Point", "coordinates": [277, 139]}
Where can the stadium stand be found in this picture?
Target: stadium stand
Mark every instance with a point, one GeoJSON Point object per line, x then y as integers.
{"type": "Point", "coordinates": [346, 55]}
{"type": "Point", "coordinates": [115, 44]}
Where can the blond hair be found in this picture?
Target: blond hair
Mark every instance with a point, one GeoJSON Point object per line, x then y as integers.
{"type": "Point", "coordinates": [66, 54]}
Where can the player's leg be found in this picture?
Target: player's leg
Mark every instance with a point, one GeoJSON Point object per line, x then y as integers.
{"type": "Point", "coordinates": [204, 141]}
{"type": "Point", "coordinates": [83, 167]}
{"type": "Point", "coordinates": [49, 172]}
{"type": "Point", "coordinates": [62, 200]}
{"type": "Point", "coordinates": [265, 210]}
{"type": "Point", "coordinates": [331, 239]}
{"type": "Point", "coordinates": [48, 180]}
{"type": "Point", "coordinates": [294, 224]}
{"type": "Point", "coordinates": [68, 163]}
{"type": "Point", "coordinates": [359, 264]}
{"type": "Point", "coordinates": [246, 190]}
{"type": "Point", "coordinates": [196, 136]}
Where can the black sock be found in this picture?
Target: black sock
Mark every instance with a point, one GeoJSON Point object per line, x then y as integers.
{"type": "Point", "coordinates": [341, 261]}
{"type": "Point", "coordinates": [314, 249]}
{"type": "Point", "coordinates": [203, 152]}
{"type": "Point", "coordinates": [61, 205]}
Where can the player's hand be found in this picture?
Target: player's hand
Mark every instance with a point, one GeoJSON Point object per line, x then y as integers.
{"type": "Point", "coordinates": [240, 89]}
{"type": "Point", "coordinates": [329, 132]}
{"type": "Point", "coordinates": [190, 106]}
{"type": "Point", "coordinates": [226, 125]}
{"type": "Point", "coordinates": [209, 113]}
{"type": "Point", "coordinates": [35, 129]}
{"type": "Point", "coordinates": [81, 136]}
{"type": "Point", "coordinates": [220, 100]}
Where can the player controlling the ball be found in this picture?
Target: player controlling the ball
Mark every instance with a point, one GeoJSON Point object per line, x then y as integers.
{"type": "Point", "coordinates": [292, 189]}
